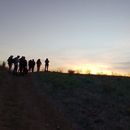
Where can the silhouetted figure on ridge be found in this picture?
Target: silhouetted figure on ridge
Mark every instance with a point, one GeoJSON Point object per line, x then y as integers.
{"type": "Point", "coordinates": [10, 62]}
{"type": "Point", "coordinates": [3, 64]}
{"type": "Point", "coordinates": [23, 65]}
{"type": "Point", "coordinates": [46, 64]}
{"type": "Point", "coordinates": [29, 65]}
{"type": "Point", "coordinates": [39, 63]}
{"type": "Point", "coordinates": [16, 63]}
{"type": "Point", "coordinates": [25, 70]}
{"type": "Point", "coordinates": [33, 65]}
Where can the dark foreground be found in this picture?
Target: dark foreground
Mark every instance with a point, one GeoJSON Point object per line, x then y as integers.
{"type": "Point", "coordinates": [55, 101]}
{"type": "Point", "coordinates": [92, 102]}
{"type": "Point", "coordinates": [23, 108]}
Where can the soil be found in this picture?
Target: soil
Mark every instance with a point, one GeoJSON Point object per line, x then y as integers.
{"type": "Point", "coordinates": [23, 108]}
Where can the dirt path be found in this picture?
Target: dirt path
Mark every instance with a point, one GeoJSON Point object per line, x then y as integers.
{"type": "Point", "coordinates": [22, 108]}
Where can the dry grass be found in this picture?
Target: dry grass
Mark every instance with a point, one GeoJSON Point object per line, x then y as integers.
{"type": "Point", "coordinates": [93, 102]}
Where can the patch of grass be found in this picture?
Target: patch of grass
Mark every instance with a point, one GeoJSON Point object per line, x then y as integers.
{"type": "Point", "coordinates": [89, 97]}
{"type": "Point", "coordinates": [2, 74]}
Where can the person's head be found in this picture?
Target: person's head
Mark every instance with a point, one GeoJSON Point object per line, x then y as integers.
{"type": "Point", "coordinates": [11, 56]}
{"type": "Point", "coordinates": [18, 56]}
{"type": "Point", "coordinates": [24, 57]}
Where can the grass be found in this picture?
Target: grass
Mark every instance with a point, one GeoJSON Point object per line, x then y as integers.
{"type": "Point", "coordinates": [93, 102]}
{"type": "Point", "coordinates": [2, 73]}
{"type": "Point", "coordinates": [96, 102]}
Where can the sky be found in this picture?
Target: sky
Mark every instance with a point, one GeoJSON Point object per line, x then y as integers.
{"type": "Point", "coordinates": [84, 35]}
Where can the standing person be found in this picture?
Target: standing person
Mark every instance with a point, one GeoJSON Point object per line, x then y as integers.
{"type": "Point", "coordinates": [38, 65]}
{"type": "Point", "coordinates": [46, 64]}
{"type": "Point", "coordinates": [33, 65]}
{"type": "Point", "coordinates": [21, 64]}
{"type": "Point", "coordinates": [25, 70]}
{"type": "Point", "coordinates": [16, 63]}
{"type": "Point", "coordinates": [30, 65]}
{"type": "Point", "coordinates": [3, 64]}
{"type": "Point", "coordinates": [10, 62]}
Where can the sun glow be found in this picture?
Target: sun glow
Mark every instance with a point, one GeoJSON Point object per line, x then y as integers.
{"type": "Point", "coordinates": [100, 69]}
{"type": "Point", "coordinates": [93, 69]}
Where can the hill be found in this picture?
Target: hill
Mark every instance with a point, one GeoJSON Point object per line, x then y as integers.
{"type": "Point", "coordinates": [52, 101]}
{"type": "Point", "coordinates": [22, 107]}
{"type": "Point", "coordinates": [93, 102]}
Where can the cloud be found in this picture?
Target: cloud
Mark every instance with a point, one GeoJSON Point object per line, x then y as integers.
{"type": "Point", "coordinates": [122, 66]}
{"type": "Point", "coordinates": [124, 63]}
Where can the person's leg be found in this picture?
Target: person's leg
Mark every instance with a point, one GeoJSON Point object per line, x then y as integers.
{"type": "Point", "coordinates": [47, 68]}
{"type": "Point", "coordinates": [15, 69]}
{"type": "Point", "coordinates": [29, 69]}
{"type": "Point", "coordinates": [20, 69]}
{"type": "Point", "coordinates": [10, 66]}
{"type": "Point", "coordinates": [38, 69]}
{"type": "Point", "coordinates": [32, 69]}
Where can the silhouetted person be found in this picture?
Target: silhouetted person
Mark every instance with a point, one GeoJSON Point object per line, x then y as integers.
{"type": "Point", "coordinates": [3, 64]}
{"type": "Point", "coordinates": [33, 65]}
{"type": "Point", "coordinates": [30, 65]}
{"type": "Point", "coordinates": [10, 62]}
{"type": "Point", "coordinates": [46, 64]}
{"type": "Point", "coordinates": [23, 65]}
{"type": "Point", "coordinates": [25, 70]}
{"type": "Point", "coordinates": [38, 65]}
{"type": "Point", "coordinates": [16, 63]}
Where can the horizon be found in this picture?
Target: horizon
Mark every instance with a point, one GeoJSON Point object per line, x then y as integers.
{"type": "Point", "coordinates": [70, 70]}
{"type": "Point", "coordinates": [78, 35]}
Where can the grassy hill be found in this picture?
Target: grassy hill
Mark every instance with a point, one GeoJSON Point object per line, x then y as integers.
{"type": "Point", "coordinates": [93, 102]}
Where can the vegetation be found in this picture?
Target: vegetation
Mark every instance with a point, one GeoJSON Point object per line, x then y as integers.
{"type": "Point", "coordinates": [2, 72]}
{"type": "Point", "coordinates": [93, 102]}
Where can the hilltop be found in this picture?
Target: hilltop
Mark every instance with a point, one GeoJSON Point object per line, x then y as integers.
{"type": "Point", "coordinates": [93, 102]}
{"type": "Point", "coordinates": [73, 101]}
{"type": "Point", "coordinates": [22, 107]}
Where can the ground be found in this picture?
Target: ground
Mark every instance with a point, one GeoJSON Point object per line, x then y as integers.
{"type": "Point", "coordinates": [93, 102]}
{"type": "Point", "coordinates": [22, 108]}
{"type": "Point", "coordinates": [57, 101]}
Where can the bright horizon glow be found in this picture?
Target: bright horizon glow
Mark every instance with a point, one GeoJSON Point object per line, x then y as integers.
{"type": "Point", "coordinates": [93, 69]}
{"type": "Point", "coordinates": [98, 69]}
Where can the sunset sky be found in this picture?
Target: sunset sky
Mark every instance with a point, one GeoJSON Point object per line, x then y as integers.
{"type": "Point", "coordinates": [74, 34]}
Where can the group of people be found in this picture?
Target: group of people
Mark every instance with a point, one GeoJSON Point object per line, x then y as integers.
{"type": "Point", "coordinates": [23, 66]}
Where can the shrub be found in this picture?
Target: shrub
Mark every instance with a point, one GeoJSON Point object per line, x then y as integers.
{"type": "Point", "coordinates": [71, 71]}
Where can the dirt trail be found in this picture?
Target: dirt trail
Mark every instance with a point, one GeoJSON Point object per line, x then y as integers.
{"type": "Point", "coordinates": [22, 108]}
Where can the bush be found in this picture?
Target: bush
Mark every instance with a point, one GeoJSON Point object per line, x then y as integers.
{"type": "Point", "coordinates": [71, 71]}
